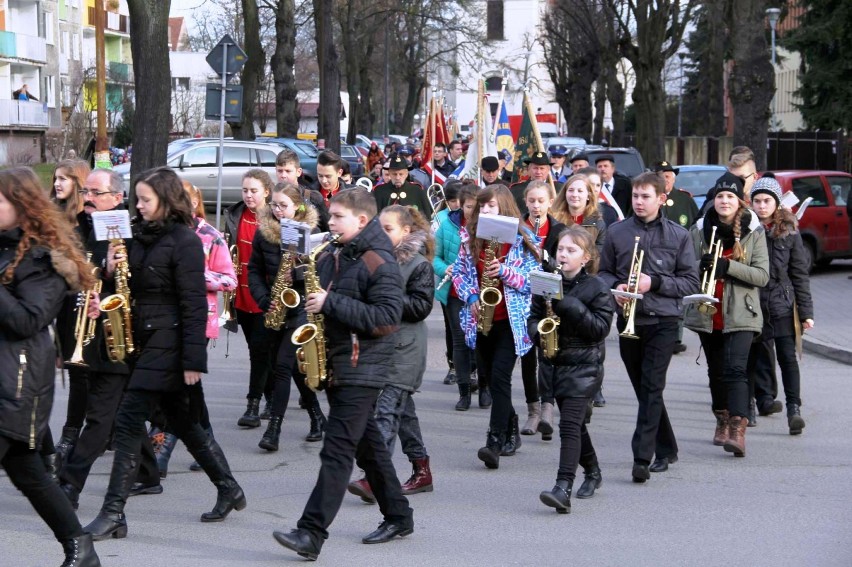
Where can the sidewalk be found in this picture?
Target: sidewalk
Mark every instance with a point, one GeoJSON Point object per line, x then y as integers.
{"type": "Point", "coordinates": [831, 336]}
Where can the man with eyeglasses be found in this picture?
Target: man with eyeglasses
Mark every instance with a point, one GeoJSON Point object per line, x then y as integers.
{"type": "Point", "coordinates": [102, 191]}
{"type": "Point", "coordinates": [740, 163]}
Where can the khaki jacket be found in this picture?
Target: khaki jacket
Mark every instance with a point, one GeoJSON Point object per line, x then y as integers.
{"type": "Point", "coordinates": [741, 297]}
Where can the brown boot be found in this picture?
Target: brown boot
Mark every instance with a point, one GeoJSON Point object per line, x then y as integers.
{"type": "Point", "coordinates": [736, 436]}
{"type": "Point", "coordinates": [533, 419]}
{"type": "Point", "coordinates": [721, 435]}
{"type": "Point", "coordinates": [421, 477]}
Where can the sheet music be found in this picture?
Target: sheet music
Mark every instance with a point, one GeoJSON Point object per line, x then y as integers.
{"type": "Point", "coordinates": [699, 298]}
{"type": "Point", "coordinates": [317, 239]}
{"type": "Point", "coordinates": [546, 284]}
{"type": "Point", "coordinates": [504, 229]}
{"type": "Point", "coordinates": [297, 235]}
{"type": "Point", "coordinates": [111, 224]}
{"type": "Point", "coordinates": [789, 200]}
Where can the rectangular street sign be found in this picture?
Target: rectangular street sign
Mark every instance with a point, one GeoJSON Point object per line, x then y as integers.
{"type": "Point", "coordinates": [233, 102]}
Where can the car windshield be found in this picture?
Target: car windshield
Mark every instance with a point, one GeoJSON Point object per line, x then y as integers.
{"type": "Point", "coordinates": [698, 182]}
{"type": "Point", "coordinates": [307, 149]}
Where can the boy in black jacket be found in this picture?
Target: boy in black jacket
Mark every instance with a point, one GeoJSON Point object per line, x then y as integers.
{"type": "Point", "coordinates": [362, 308]}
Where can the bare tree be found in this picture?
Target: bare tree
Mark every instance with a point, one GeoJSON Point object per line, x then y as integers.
{"type": "Point", "coordinates": [149, 45]}
{"type": "Point", "coordinates": [283, 64]}
{"type": "Point", "coordinates": [187, 110]}
{"type": "Point", "coordinates": [658, 27]}
{"type": "Point", "coordinates": [328, 114]}
{"type": "Point", "coordinates": [250, 77]}
{"type": "Point", "coordinates": [752, 81]}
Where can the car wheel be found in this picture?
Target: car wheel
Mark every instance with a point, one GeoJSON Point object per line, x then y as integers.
{"type": "Point", "coordinates": [810, 255]}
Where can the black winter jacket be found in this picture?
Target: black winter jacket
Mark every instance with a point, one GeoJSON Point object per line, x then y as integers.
{"type": "Point", "coordinates": [169, 298]}
{"type": "Point", "coordinates": [788, 279]}
{"type": "Point", "coordinates": [266, 260]}
{"type": "Point", "coordinates": [365, 300]}
{"type": "Point", "coordinates": [585, 312]}
{"type": "Point", "coordinates": [28, 304]}
{"type": "Point", "coordinates": [669, 261]}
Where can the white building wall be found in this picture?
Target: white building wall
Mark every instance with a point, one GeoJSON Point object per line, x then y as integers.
{"type": "Point", "coordinates": [787, 116]}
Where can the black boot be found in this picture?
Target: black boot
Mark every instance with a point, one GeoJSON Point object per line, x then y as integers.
{"type": "Point", "coordinates": [558, 497]}
{"type": "Point", "coordinates": [110, 521]}
{"type": "Point", "coordinates": [318, 422]}
{"type": "Point", "coordinates": [251, 418]}
{"type": "Point", "coordinates": [72, 494]}
{"type": "Point", "coordinates": [230, 496]}
{"type": "Point", "coordinates": [513, 438]}
{"type": "Point", "coordinates": [67, 441]}
{"type": "Point", "coordinates": [592, 482]}
{"type": "Point", "coordinates": [794, 419]}
{"type": "Point", "coordinates": [485, 397]}
{"type": "Point", "coordinates": [164, 453]}
{"type": "Point", "coordinates": [752, 413]}
{"type": "Point", "coordinates": [269, 441]}
{"type": "Point", "coordinates": [450, 378]}
{"type": "Point", "coordinates": [490, 454]}
{"type": "Point", "coordinates": [52, 464]}
{"type": "Point", "coordinates": [79, 552]}
{"type": "Point", "coordinates": [267, 409]}
{"type": "Point", "coordinates": [464, 397]}
{"type": "Point", "coordinates": [194, 466]}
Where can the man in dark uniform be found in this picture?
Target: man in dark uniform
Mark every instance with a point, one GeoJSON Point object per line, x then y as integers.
{"type": "Point", "coordinates": [491, 171]}
{"type": "Point", "coordinates": [539, 170]}
{"type": "Point", "coordinates": [578, 162]}
{"type": "Point", "coordinates": [401, 190]}
{"type": "Point", "coordinates": [680, 207]}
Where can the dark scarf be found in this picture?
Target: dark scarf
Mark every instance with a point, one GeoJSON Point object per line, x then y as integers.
{"type": "Point", "coordinates": [725, 231]}
{"type": "Point", "coordinates": [148, 232]}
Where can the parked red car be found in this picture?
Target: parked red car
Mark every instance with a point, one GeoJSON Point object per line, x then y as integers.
{"type": "Point", "coordinates": [826, 227]}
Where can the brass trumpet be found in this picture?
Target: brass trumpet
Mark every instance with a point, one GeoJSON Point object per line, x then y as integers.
{"type": "Point", "coordinates": [435, 193]}
{"type": "Point", "coordinates": [228, 314]}
{"type": "Point", "coordinates": [708, 279]}
{"type": "Point", "coordinates": [84, 328]}
{"type": "Point", "coordinates": [632, 292]}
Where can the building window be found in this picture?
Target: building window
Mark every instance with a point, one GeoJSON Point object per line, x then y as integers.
{"type": "Point", "coordinates": [494, 84]}
{"type": "Point", "coordinates": [48, 28]}
{"type": "Point", "coordinates": [495, 20]}
{"type": "Point", "coordinates": [180, 83]}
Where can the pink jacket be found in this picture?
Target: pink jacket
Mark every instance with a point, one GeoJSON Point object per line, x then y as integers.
{"type": "Point", "coordinates": [218, 273]}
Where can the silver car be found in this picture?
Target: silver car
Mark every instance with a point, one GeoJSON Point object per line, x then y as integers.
{"type": "Point", "coordinates": [197, 162]}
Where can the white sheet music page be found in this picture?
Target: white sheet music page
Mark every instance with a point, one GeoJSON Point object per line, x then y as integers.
{"type": "Point", "coordinates": [504, 229]}
{"type": "Point", "coordinates": [546, 284]}
{"type": "Point", "coordinates": [111, 224]}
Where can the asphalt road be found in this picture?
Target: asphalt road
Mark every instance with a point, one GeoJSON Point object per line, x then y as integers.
{"type": "Point", "coordinates": [786, 503]}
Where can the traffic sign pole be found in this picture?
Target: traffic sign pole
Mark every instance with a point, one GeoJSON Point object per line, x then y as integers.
{"type": "Point", "coordinates": [222, 136]}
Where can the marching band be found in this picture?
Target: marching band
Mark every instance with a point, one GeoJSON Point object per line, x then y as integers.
{"type": "Point", "coordinates": [346, 322]}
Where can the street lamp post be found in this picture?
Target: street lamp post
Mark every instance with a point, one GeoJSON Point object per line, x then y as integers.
{"type": "Point", "coordinates": [680, 95]}
{"type": "Point", "coordinates": [772, 14]}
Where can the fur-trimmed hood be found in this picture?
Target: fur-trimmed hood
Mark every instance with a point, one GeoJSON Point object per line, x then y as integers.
{"type": "Point", "coordinates": [411, 244]}
{"type": "Point", "coordinates": [789, 225]}
{"type": "Point", "coordinates": [270, 227]}
{"type": "Point", "coordinates": [66, 268]}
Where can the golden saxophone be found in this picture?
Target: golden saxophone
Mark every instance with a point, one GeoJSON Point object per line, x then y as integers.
{"type": "Point", "coordinates": [282, 294]}
{"type": "Point", "coordinates": [118, 326]}
{"type": "Point", "coordinates": [629, 308]}
{"type": "Point", "coordinates": [489, 295]}
{"type": "Point", "coordinates": [84, 328]}
{"type": "Point", "coordinates": [310, 337]}
{"type": "Point", "coordinates": [228, 314]}
{"type": "Point", "coordinates": [548, 331]}
{"type": "Point", "coordinates": [708, 280]}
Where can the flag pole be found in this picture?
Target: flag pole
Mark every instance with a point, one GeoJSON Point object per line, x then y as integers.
{"type": "Point", "coordinates": [503, 86]}
{"type": "Point", "coordinates": [432, 119]}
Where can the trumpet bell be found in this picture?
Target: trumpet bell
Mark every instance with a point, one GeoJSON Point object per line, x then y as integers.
{"type": "Point", "coordinates": [707, 308]}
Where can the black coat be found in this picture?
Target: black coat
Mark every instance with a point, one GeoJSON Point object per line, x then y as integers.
{"type": "Point", "coordinates": [585, 312]}
{"type": "Point", "coordinates": [364, 298]}
{"type": "Point", "coordinates": [169, 306]}
{"type": "Point", "coordinates": [788, 280]}
{"type": "Point", "coordinates": [622, 192]}
{"type": "Point", "coordinates": [28, 304]}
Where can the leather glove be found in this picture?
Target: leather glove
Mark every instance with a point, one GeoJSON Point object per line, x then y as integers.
{"type": "Point", "coordinates": [706, 263]}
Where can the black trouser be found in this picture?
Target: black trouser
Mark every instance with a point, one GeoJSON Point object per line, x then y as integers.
{"type": "Point", "coordinates": [576, 444]}
{"type": "Point", "coordinates": [259, 340]}
{"type": "Point", "coordinates": [25, 469]}
{"type": "Point", "coordinates": [462, 355]}
{"type": "Point", "coordinates": [352, 433]}
{"type": "Point", "coordinates": [647, 361]}
{"type": "Point", "coordinates": [545, 379]}
{"type": "Point", "coordinates": [495, 355]}
{"type": "Point", "coordinates": [727, 362]}
{"type": "Point", "coordinates": [762, 369]}
{"type": "Point", "coordinates": [105, 391]}
{"type": "Point", "coordinates": [78, 385]}
{"type": "Point", "coordinates": [529, 375]}
{"type": "Point", "coordinates": [448, 332]}
{"type": "Point", "coordinates": [287, 367]}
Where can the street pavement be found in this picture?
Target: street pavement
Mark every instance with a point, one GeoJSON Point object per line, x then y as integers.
{"type": "Point", "coordinates": [786, 503]}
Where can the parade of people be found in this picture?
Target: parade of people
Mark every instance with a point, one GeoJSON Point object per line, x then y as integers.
{"type": "Point", "coordinates": [527, 241]}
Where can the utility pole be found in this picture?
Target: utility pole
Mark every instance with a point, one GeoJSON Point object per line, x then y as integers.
{"type": "Point", "coordinates": [101, 142]}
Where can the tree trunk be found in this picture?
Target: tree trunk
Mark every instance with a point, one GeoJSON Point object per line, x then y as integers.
{"type": "Point", "coordinates": [252, 71]}
{"type": "Point", "coordinates": [715, 70]}
{"type": "Point", "coordinates": [650, 101]}
{"type": "Point", "coordinates": [615, 95]}
{"type": "Point", "coordinates": [600, 109]}
{"type": "Point", "coordinates": [328, 114]}
{"type": "Point", "coordinates": [283, 63]}
{"type": "Point", "coordinates": [752, 81]}
{"type": "Point", "coordinates": [352, 60]}
{"type": "Point", "coordinates": [149, 46]}
{"type": "Point", "coordinates": [367, 116]}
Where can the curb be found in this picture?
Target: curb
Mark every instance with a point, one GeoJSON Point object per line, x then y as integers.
{"type": "Point", "coordinates": [827, 351]}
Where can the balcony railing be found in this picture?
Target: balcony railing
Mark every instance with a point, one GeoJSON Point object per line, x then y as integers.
{"type": "Point", "coordinates": [19, 46]}
{"type": "Point", "coordinates": [112, 21]}
{"type": "Point", "coordinates": [23, 113]}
